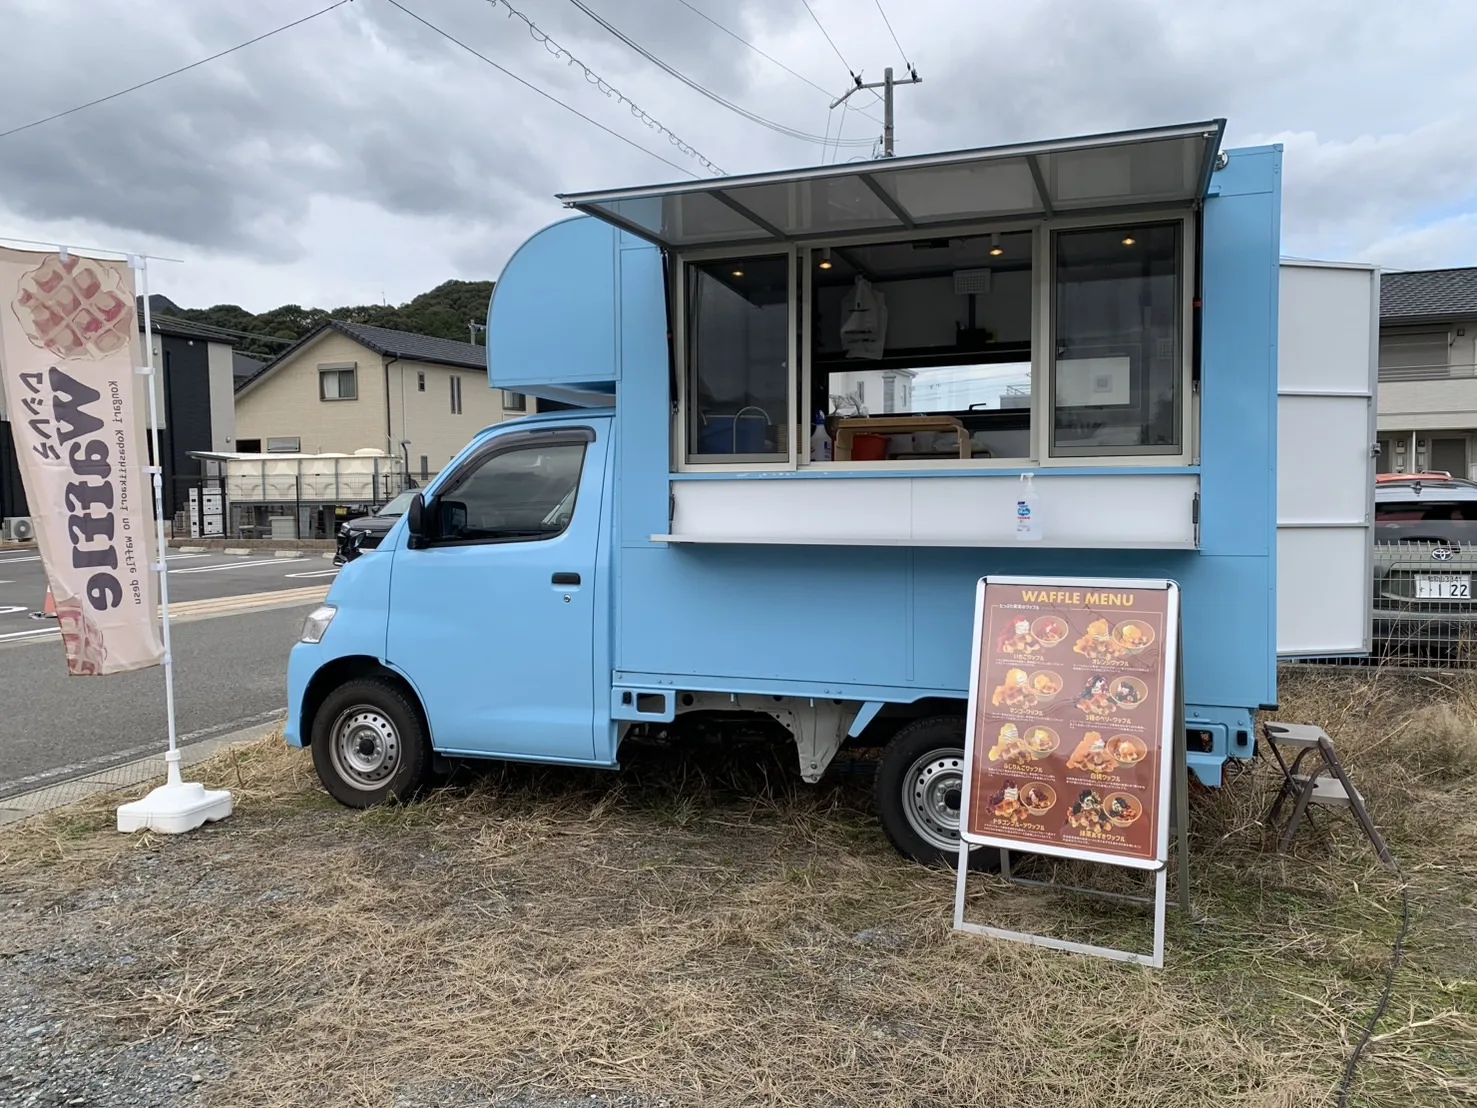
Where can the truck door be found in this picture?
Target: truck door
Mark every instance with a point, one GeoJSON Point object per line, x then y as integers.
{"type": "Point", "coordinates": [1327, 359]}
{"type": "Point", "coordinates": [493, 619]}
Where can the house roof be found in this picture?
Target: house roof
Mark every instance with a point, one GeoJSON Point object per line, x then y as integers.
{"type": "Point", "coordinates": [244, 367]}
{"type": "Point", "coordinates": [183, 328]}
{"type": "Point", "coordinates": [387, 343]}
{"type": "Point", "coordinates": [1428, 295]}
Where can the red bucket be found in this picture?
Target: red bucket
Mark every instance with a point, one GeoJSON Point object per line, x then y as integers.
{"type": "Point", "coordinates": [869, 448]}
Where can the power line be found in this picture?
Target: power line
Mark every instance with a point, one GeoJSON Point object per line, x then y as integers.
{"type": "Point", "coordinates": [173, 72]}
{"type": "Point", "coordinates": [893, 33]}
{"type": "Point", "coordinates": [608, 89]}
{"type": "Point", "coordinates": [767, 57]}
{"type": "Point", "coordinates": [696, 86]}
{"type": "Point", "coordinates": [829, 39]}
{"type": "Point", "coordinates": [856, 78]}
{"type": "Point", "coordinates": [547, 96]}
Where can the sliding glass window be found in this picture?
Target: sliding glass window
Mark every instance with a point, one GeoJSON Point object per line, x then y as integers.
{"type": "Point", "coordinates": [1117, 365]}
{"type": "Point", "coordinates": [738, 348]}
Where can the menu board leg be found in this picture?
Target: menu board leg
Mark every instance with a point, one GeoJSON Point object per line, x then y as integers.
{"type": "Point", "coordinates": [1154, 960]}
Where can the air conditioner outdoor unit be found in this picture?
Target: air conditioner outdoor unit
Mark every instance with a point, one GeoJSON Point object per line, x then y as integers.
{"type": "Point", "coordinates": [17, 529]}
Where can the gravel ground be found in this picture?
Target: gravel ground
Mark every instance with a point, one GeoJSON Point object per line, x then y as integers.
{"type": "Point", "coordinates": [59, 1047]}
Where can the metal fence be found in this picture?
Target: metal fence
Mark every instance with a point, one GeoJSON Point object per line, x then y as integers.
{"type": "Point", "coordinates": [1424, 613]}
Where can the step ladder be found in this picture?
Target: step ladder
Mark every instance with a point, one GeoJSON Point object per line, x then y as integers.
{"type": "Point", "coordinates": [1324, 782]}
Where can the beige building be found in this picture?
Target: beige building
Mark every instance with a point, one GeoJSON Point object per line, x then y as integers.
{"type": "Point", "coordinates": [349, 386]}
{"type": "Point", "coordinates": [1428, 372]}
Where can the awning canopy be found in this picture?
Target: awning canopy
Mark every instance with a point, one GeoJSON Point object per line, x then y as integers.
{"type": "Point", "coordinates": [1165, 166]}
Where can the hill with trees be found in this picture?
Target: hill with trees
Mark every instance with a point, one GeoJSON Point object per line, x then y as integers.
{"type": "Point", "coordinates": [444, 312]}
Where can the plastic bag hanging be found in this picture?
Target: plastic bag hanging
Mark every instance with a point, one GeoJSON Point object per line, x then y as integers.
{"type": "Point", "coordinates": [864, 329]}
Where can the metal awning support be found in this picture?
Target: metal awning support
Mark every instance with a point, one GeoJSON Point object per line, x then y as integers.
{"type": "Point", "coordinates": [1121, 171]}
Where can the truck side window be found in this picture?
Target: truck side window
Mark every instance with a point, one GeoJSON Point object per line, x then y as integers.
{"type": "Point", "coordinates": [524, 494]}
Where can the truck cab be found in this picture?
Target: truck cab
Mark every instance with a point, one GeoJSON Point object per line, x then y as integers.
{"type": "Point", "coordinates": [1100, 326]}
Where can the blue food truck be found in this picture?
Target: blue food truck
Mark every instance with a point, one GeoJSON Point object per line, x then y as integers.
{"type": "Point", "coordinates": [801, 414]}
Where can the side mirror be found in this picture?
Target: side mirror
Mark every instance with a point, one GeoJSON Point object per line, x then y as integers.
{"type": "Point", "coordinates": [415, 519]}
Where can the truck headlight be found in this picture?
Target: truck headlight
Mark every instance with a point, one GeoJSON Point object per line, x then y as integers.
{"type": "Point", "coordinates": [316, 625]}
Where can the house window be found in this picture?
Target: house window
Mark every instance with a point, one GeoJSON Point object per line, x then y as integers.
{"type": "Point", "coordinates": [456, 395]}
{"type": "Point", "coordinates": [338, 382]}
{"type": "Point", "coordinates": [425, 468]}
{"type": "Point", "coordinates": [285, 445]}
{"type": "Point", "coordinates": [1117, 366]}
{"type": "Point", "coordinates": [249, 446]}
{"type": "Point", "coordinates": [514, 402]}
{"type": "Point", "coordinates": [420, 382]}
{"type": "Point", "coordinates": [738, 373]}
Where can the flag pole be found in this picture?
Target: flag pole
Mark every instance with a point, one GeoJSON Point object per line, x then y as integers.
{"type": "Point", "coordinates": [176, 806]}
{"type": "Point", "coordinates": [140, 266]}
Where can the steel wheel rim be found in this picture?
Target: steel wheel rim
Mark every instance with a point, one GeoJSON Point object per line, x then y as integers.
{"type": "Point", "coordinates": [365, 747]}
{"type": "Point", "coordinates": [933, 793]}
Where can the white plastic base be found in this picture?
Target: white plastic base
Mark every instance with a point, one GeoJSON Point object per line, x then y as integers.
{"type": "Point", "coordinates": [176, 806]}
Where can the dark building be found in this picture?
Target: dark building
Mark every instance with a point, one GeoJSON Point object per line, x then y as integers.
{"type": "Point", "coordinates": [196, 412]}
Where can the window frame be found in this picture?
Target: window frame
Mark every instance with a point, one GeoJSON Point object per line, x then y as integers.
{"type": "Point", "coordinates": [420, 380]}
{"type": "Point", "coordinates": [506, 444]}
{"type": "Point", "coordinates": [509, 405]}
{"type": "Point", "coordinates": [296, 448]}
{"type": "Point", "coordinates": [338, 369]}
{"type": "Point", "coordinates": [456, 393]}
{"type": "Point", "coordinates": [681, 444]}
{"type": "Point", "coordinates": [1042, 325]}
{"type": "Point", "coordinates": [1043, 399]}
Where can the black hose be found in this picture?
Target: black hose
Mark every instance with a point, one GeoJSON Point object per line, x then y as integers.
{"type": "Point", "coordinates": [1384, 1004]}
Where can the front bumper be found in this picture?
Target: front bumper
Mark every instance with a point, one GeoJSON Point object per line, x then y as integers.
{"type": "Point", "coordinates": [302, 662]}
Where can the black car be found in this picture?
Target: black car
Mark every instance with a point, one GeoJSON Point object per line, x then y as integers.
{"type": "Point", "coordinates": [366, 532]}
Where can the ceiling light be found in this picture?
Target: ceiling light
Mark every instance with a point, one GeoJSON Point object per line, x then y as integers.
{"type": "Point", "coordinates": [995, 248]}
{"type": "Point", "coordinates": [738, 272]}
{"type": "Point", "coordinates": [1129, 240]}
{"type": "Point", "coordinates": [826, 262]}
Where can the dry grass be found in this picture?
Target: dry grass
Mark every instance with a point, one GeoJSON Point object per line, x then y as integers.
{"type": "Point", "coordinates": [705, 930]}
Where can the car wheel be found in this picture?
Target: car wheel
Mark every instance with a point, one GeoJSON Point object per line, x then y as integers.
{"type": "Point", "coordinates": [369, 746]}
{"type": "Point", "coordinates": [920, 793]}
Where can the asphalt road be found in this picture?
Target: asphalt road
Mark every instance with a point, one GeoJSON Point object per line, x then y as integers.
{"type": "Point", "coordinates": [230, 670]}
{"type": "Point", "coordinates": [191, 577]}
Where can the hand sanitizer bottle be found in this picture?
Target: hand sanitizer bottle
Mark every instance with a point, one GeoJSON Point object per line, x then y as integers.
{"type": "Point", "coordinates": [1027, 515]}
{"type": "Point", "coordinates": [820, 440]}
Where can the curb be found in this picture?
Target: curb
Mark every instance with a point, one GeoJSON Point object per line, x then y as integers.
{"type": "Point", "coordinates": [23, 806]}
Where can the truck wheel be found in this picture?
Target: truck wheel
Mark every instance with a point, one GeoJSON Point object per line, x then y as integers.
{"type": "Point", "coordinates": [368, 745]}
{"type": "Point", "coordinates": [920, 792]}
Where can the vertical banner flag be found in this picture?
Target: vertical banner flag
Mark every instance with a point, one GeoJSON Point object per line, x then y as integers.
{"type": "Point", "coordinates": [69, 342]}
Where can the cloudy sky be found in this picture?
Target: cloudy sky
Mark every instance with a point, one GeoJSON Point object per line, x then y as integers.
{"type": "Point", "coordinates": [362, 157]}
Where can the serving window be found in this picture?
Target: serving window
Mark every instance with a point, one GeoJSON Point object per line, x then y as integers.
{"type": "Point", "coordinates": [1030, 345]}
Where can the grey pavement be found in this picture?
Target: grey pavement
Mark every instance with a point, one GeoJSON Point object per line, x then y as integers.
{"type": "Point", "coordinates": [230, 674]}
{"type": "Point", "coordinates": [123, 775]}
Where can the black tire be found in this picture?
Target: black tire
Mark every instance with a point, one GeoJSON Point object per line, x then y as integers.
{"type": "Point", "coordinates": [920, 791]}
{"type": "Point", "coordinates": [369, 745]}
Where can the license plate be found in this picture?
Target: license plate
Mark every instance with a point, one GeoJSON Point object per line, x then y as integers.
{"type": "Point", "coordinates": [1443, 586]}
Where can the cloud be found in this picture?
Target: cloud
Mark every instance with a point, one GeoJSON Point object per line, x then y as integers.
{"type": "Point", "coordinates": [362, 151]}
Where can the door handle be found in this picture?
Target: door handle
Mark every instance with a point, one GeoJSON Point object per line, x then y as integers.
{"type": "Point", "coordinates": [566, 578]}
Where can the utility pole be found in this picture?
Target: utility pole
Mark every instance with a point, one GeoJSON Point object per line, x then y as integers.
{"type": "Point", "coordinates": [887, 84]}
